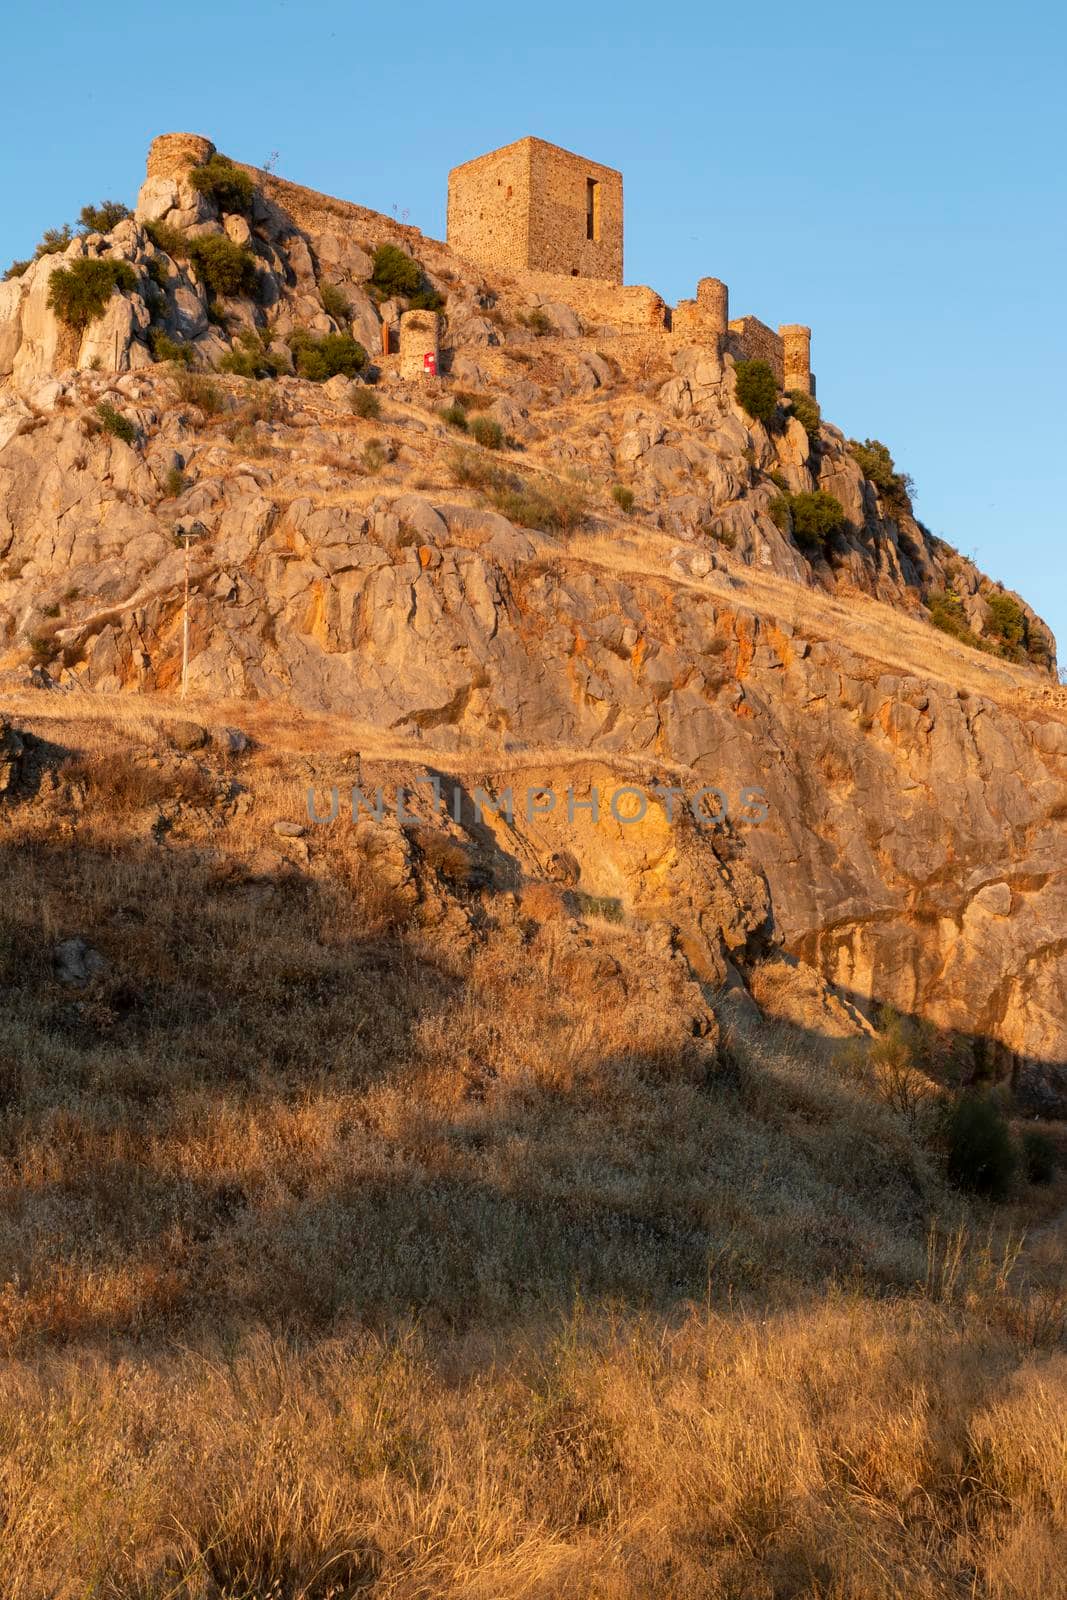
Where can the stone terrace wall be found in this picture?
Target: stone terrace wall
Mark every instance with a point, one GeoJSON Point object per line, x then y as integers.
{"type": "Point", "coordinates": [754, 341]}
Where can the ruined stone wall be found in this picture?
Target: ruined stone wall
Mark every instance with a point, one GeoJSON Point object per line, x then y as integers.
{"type": "Point", "coordinates": [489, 208]}
{"type": "Point", "coordinates": [705, 319]}
{"type": "Point", "coordinates": [630, 306]}
{"type": "Point", "coordinates": [172, 154]}
{"type": "Point", "coordinates": [316, 213]}
{"type": "Point", "coordinates": [752, 340]}
{"type": "Point", "coordinates": [527, 207]}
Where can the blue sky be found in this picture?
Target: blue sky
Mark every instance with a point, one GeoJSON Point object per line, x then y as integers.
{"type": "Point", "coordinates": [894, 178]}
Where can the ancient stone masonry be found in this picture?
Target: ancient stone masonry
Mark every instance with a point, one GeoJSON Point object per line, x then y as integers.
{"type": "Point", "coordinates": [172, 154]}
{"type": "Point", "coordinates": [752, 340]}
{"type": "Point", "coordinates": [419, 344]}
{"type": "Point", "coordinates": [533, 207]}
{"type": "Point", "coordinates": [704, 319]}
{"type": "Point", "coordinates": [796, 352]}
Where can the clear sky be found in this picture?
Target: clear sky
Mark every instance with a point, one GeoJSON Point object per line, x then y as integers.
{"type": "Point", "coordinates": [892, 176]}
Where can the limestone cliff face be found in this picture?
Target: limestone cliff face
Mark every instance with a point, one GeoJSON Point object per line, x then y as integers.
{"type": "Point", "coordinates": [500, 602]}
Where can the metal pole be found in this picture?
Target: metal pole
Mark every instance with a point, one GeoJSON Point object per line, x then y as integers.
{"type": "Point", "coordinates": [185, 622]}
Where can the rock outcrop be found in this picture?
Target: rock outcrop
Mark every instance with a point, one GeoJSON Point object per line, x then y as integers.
{"type": "Point", "coordinates": [370, 561]}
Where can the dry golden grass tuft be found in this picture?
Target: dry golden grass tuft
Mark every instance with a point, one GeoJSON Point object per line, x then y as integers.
{"type": "Point", "coordinates": [348, 1254]}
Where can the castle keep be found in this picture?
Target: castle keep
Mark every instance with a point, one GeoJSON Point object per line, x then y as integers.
{"type": "Point", "coordinates": [532, 207]}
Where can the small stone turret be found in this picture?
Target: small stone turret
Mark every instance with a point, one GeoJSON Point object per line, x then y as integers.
{"type": "Point", "coordinates": [420, 352]}
{"type": "Point", "coordinates": [704, 319]}
{"type": "Point", "coordinates": [796, 354]}
{"type": "Point", "coordinates": [713, 303]}
{"type": "Point", "coordinates": [172, 154]}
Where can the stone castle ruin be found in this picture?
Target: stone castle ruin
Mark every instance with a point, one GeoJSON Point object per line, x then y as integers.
{"type": "Point", "coordinates": [548, 218]}
{"type": "Point", "coordinates": [534, 208]}
{"type": "Point", "coordinates": [545, 220]}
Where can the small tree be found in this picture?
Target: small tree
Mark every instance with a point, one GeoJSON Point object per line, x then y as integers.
{"type": "Point", "coordinates": [981, 1155]}
{"type": "Point", "coordinates": [227, 268]}
{"type": "Point", "coordinates": [394, 272]}
{"type": "Point", "coordinates": [397, 274]}
{"type": "Point", "coordinates": [876, 464]}
{"type": "Point", "coordinates": [78, 294]}
{"type": "Point", "coordinates": [757, 390]}
{"type": "Point", "coordinates": [816, 517]}
{"type": "Point", "coordinates": [102, 218]}
{"type": "Point", "coordinates": [319, 359]}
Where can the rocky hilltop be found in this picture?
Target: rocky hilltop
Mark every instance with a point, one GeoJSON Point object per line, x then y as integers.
{"type": "Point", "coordinates": [582, 555]}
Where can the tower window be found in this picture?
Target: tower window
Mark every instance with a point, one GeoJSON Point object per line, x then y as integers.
{"type": "Point", "coordinates": [592, 210]}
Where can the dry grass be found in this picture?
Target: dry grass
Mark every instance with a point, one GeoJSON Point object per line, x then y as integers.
{"type": "Point", "coordinates": [342, 1256]}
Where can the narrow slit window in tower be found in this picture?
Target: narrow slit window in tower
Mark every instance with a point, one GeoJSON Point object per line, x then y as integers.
{"type": "Point", "coordinates": [592, 210]}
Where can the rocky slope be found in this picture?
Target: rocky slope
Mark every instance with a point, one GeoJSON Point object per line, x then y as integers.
{"type": "Point", "coordinates": [497, 615]}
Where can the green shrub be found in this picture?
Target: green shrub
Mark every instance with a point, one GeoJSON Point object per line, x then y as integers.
{"type": "Point", "coordinates": [365, 404]}
{"type": "Point", "coordinates": [166, 349]}
{"type": "Point", "coordinates": [947, 614]}
{"type": "Point", "coordinates": [623, 497]}
{"type": "Point", "coordinates": [16, 269]}
{"type": "Point", "coordinates": [218, 179]}
{"type": "Point", "coordinates": [334, 303]}
{"type": "Point", "coordinates": [757, 390]}
{"type": "Point", "coordinates": [171, 241]}
{"type": "Point", "coordinates": [455, 416]}
{"type": "Point", "coordinates": [426, 299]}
{"type": "Point", "coordinates": [395, 273]}
{"type": "Point", "coordinates": [113, 421]}
{"type": "Point", "coordinates": [175, 483]}
{"type": "Point", "coordinates": [78, 294]}
{"type": "Point", "coordinates": [319, 359]}
{"type": "Point", "coordinates": [877, 465]}
{"type": "Point", "coordinates": [157, 272]}
{"type": "Point", "coordinates": [487, 433]}
{"type": "Point", "coordinates": [1040, 1157]}
{"type": "Point", "coordinates": [251, 358]}
{"type": "Point", "coordinates": [226, 268]}
{"type": "Point", "coordinates": [805, 408]}
{"type": "Point", "coordinates": [816, 516]}
{"type": "Point", "coordinates": [779, 480]}
{"type": "Point", "coordinates": [1006, 618]}
{"type": "Point", "coordinates": [981, 1155]}
{"type": "Point", "coordinates": [102, 218]}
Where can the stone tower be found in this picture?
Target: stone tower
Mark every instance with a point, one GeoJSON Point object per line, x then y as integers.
{"type": "Point", "coordinates": [532, 207]}
{"type": "Point", "coordinates": [796, 357]}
